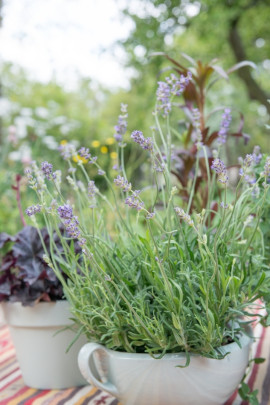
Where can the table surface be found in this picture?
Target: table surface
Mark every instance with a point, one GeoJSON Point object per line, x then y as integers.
{"type": "Point", "coordinates": [14, 392]}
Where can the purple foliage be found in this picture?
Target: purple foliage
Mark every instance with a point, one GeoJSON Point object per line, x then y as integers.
{"type": "Point", "coordinates": [24, 275]}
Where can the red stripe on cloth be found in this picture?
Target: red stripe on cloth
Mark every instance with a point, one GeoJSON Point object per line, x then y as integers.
{"type": "Point", "coordinates": [255, 368]}
{"type": "Point", "coordinates": [18, 393]}
{"type": "Point", "coordinates": [33, 397]}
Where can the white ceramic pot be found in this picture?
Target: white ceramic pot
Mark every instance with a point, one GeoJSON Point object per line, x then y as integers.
{"type": "Point", "coordinates": [138, 379]}
{"type": "Point", "coordinates": [40, 350]}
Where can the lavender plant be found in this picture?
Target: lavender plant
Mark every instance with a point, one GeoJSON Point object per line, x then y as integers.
{"type": "Point", "coordinates": [153, 276]}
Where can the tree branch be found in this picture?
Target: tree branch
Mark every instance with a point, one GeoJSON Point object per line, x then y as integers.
{"type": "Point", "coordinates": [255, 92]}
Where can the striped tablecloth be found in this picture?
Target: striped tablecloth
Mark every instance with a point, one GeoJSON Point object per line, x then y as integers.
{"type": "Point", "coordinates": [14, 392]}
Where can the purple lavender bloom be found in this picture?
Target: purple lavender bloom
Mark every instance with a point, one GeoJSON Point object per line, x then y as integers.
{"type": "Point", "coordinates": [81, 242]}
{"type": "Point", "coordinates": [250, 179]}
{"type": "Point", "coordinates": [67, 150]}
{"type": "Point", "coordinates": [92, 160]}
{"type": "Point", "coordinates": [32, 210]}
{"type": "Point", "coordinates": [84, 153]}
{"type": "Point", "coordinates": [223, 177]}
{"type": "Point", "coordinates": [47, 170]}
{"type": "Point", "coordinates": [145, 143]}
{"type": "Point", "coordinates": [92, 189]}
{"type": "Point", "coordinates": [257, 156]}
{"type": "Point", "coordinates": [218, 166]}
{"type": "Point", "coordinates": [255, 191]}
{"type": "Point", "coordinates": [266, 171]}
{"type": "Point", "coordinates": [163, 98]}
{"type": "Point", "coordinates": [121, 127]}
{"type": "Point", "coordinates": [72, 228]}
{"type": "Point", "coordinates": [172, 86]}
{"type": "Point", "coordinates": [248, 160]}
{"type": "Point", "coordinates": [183, 215]}
{"type": "Point", "coordinates": [225, 123]}
{"type": "Point", "coordinates": [223, 205]}
{"type": "Point", "coordinates": [101, 172]}
{"type": "Point", "coordinates": [159, 166]}
{"type": "Point", "coordinates": [246, 164]}
{"type": "Point", "coordinates": [122, 183]}
{"type": "Point", "coordinates": [178, 85]}
{"type": "Point", "coordinates": [134, 202]}
{"type": "Point", "coordinates": [65, 211]}
{"type": "Point", "coordinates": [70, 221]}
{"type": "Point", "coordinates": [196, 116]}
{"type": "Point", "coordinates": [150, 215]}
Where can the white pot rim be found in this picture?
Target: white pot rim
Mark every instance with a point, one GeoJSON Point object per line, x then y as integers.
{"type": "Point", "coordinates": [41, 314]}
{"type": "Point", "coordinates": [244, 339]}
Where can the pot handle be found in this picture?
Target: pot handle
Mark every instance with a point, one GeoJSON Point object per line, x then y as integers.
{"type": "Point", "coordinates": [89, 370]}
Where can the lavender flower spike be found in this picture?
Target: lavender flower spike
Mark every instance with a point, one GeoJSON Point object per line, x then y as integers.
{"type": "Point", "coordinates": [225, 123]}
{"type": "Point", "coordinates": [47, 170]}
{"type": "Point", "coordinates": [257, 156]}
{"type": "Point", "coordinates": [32, 210]}
{"type": "Point", "coordinates": [67, 150]}
{"type": "Point", "coordinates": [134, 202]}
{"type": "Point", "coordinates": [84, 153]}
{"type": "Point", "coordinates": [65, 211]}
{"type": "Point", "coordinates": [121, 127]}
{"type": "Point", "coordinates": [122, 183]}
{"type": "Point", "coordinates": [173, 86]}
{"type": "Point", "coordinates": [92, 189]}
{"type": "Point", "coordinates": [183, 215]}
{"type": "Point", "coordinates": [163, 98]}
{"type": "Point", "coordinates": [145, 143]}
{"type": "Point", "coordinates": [267, 167]}
{"type": "Point", "coordinates": [218, 166]}
{"type": "Point", "coordinates": [70, 221]}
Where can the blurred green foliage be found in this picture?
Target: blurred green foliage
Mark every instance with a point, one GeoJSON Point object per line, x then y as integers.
{"type": "Point", "coordinates": [44, 114]}
{"type": "Point", "coordinates": [202, 29]}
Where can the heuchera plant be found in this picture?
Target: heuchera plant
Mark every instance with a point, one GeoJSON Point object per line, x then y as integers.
{"type": "Point", "coordinates": [24, 275]}
{"type": "Point", "coordinates": [154, 275]}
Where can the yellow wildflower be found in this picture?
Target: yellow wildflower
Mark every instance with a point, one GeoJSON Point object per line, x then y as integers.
{"type": "Point", "coordinates": [113, 155]}
{"type": "Point", "coordinates": [63, 142]}
{"type": "Point", "coordinates": [104, 149]}
{"type": "Point", "coordinates": [95, 144]}
{"type": "Point", "coordinates": [79, 158]}
{"type": "Point", "coordinates": [110, 141]}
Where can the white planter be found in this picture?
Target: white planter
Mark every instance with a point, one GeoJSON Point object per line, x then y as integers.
{"type": "Point", "coordinates": [138, 379]}
{"type": "Point", "coordinates": [41, 352]}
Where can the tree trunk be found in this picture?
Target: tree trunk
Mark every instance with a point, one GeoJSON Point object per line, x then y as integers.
{"type": "Point", "coordinates": [255, 92]}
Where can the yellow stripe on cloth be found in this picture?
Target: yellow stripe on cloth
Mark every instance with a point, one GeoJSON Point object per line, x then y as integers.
{"type": "Point", "coordinates": [26, 394]}
{"type": "Point", "coordinates": [82, 395]}
{"type": "Point", "coordinates": [58, 396]}
{"type": "Point", "coordinates": [44, 398]}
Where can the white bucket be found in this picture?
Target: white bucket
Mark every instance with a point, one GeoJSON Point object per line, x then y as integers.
{"type": "Point", "coordinates": [40, 350]}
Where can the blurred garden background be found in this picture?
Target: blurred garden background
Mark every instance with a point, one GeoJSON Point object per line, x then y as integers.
{"type": "Point", "coordinates": [67, 65]}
